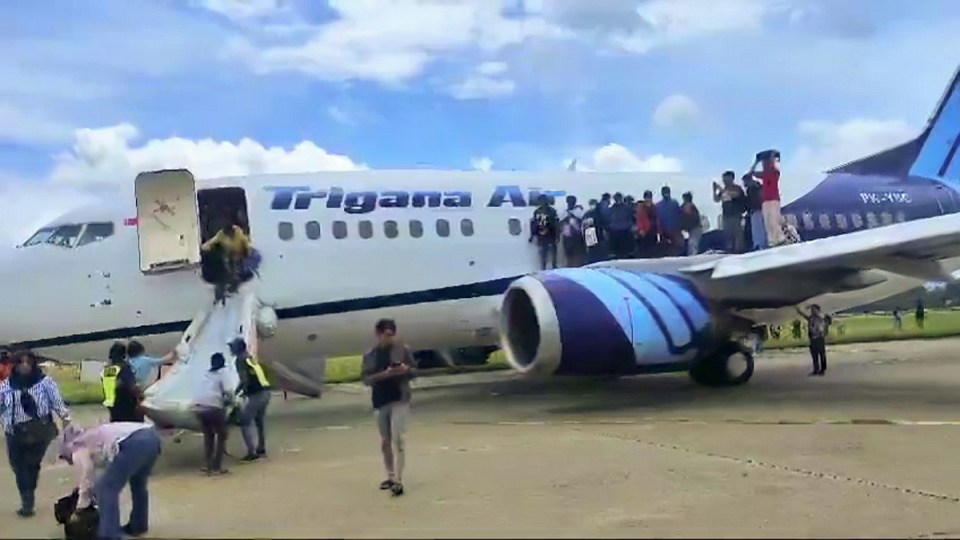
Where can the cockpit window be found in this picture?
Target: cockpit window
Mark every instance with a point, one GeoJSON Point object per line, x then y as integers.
{"type": "Point", "coordinates": [65, 236]}
{"type": "Point", "coordinates": [95, 232]}
{"type": "Point", "coordinates": [70, 236]}
{"type": "Point", "coordinates": [39, 237]}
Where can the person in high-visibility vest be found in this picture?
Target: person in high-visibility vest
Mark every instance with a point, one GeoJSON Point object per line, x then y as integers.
{"type": "Point", "coordinates": [255, 386]}
{"type": "Point", "coordinates": [120, 391]}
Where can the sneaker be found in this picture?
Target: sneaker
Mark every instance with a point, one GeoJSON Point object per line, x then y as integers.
{"type": "Point", "coordinates": [249, 458]}
{"type": "Point", "coordinates": [396, 489]}
{"type": "Point", "coordinates": [262, 453]}
{"type": "Point", "coordinates": [813, 374]}
{"type": "Point", "coordinates": [387, 484]}
{"type": "Point", "coordinates": [219, 472]}
{"type": "Point", "coordinates": [25, 512]}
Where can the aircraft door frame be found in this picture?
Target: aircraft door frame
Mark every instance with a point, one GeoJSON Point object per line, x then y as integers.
{"type": "Point", "coordinates": [168, 226]}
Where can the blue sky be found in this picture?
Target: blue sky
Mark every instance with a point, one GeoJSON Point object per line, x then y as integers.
{"type": "Point", "coordinates": [91, 92]}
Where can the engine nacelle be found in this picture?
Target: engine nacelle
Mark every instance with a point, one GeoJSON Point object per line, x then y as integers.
{"type": "Point", "coordinates": [266, 322]}
{"type": "Point", "coordinates": [592, 321]}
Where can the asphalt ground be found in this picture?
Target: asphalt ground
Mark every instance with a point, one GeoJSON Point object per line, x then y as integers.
{"type": "Point", "coordinates": [869, 450]}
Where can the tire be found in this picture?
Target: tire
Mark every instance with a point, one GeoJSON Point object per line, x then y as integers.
{"type": "Point", "coordinates": [713, 371]}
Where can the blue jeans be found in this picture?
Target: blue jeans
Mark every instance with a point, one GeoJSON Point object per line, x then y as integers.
{"type": "Point", "coordinates": [132, 464]}
{"type": "Point", "coordinates": [758, 230]}
{"type": "Point", "coordinates": [253, 414]}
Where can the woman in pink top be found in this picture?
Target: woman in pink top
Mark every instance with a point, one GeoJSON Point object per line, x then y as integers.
{"type": "Point", "coordinates": [770, 192]}
{"type": "Point", "coordinates": [109, 457]}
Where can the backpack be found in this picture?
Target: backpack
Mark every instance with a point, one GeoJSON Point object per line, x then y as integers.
{"type": "Point", "coordinates": [85, 527]}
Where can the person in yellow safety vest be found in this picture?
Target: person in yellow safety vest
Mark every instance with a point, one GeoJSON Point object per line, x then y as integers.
{"type": "Point", "coordinates": [120, 393]}
{"type": "Point", "coordinates": [255, 386]}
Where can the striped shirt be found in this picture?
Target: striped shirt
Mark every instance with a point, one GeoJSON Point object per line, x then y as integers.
{"type": "Point", "coordinates": [45, 394]}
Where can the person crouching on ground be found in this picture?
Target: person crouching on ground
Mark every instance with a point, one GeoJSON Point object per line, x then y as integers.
{"type": "Point", "coordinates": [387, 369]}
{"type": "Point", "coordinates": [122, 453]}
{"type": "Point", "coordinates": [255, 386]}
{"type": "Point", "coordinates": [28, 400]}
{"type": "Point", "coordinates": [211, 402]}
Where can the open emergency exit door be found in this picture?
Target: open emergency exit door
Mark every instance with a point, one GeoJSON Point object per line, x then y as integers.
{"type": "Point", "coordinates": [167, 221]}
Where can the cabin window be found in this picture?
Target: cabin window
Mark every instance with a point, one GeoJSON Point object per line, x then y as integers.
{"type": "Point", "coordinates": [808, 221]}
{"type": "Point", "coordinates": [791, 219]}
{"type": "Point", "coordinates": [514, 226]}
{"type": "Point", "coordinates": [96, 232]}
{"type": "Point", "coordinates": [366, 229]}
{"type": "Point", "coordinates": [443, 228]}
{"type": "Point", "coordinates": [857, 220]}
{"type": "Point", "coordinates": [285, 230]}
{"type": "Point", "coordinates": [886, 218]}
{"type": "Point", "coordinates": [466, 227]}
{"type": "Point", "coordinates": [825, 222]}
{"type": "Point", "coordinates": [416, 228]}
{"type": "Point", "coordinates": [841, 221]}
{"type": "Point", "coordinates": [390, 229]}
{"type": "Point", "coordinates": [872, 221]}
{"type": "Point", "coordinates": [313, 230]}
{"type": "Point", "coordinates": [900, 216]}
{"type": "Point", "coordinates": [339, 230]}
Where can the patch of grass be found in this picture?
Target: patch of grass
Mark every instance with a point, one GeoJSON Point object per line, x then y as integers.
{"type": "Point", "coordinates": [74, 391]}
{"type": "Point", "coordinates": [877, 328]}
{"type": "Point", "coordinates": [346, 369]}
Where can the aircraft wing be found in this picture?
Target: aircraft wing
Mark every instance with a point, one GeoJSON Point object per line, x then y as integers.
{"type": "Point", "coordinates": [790, 274]}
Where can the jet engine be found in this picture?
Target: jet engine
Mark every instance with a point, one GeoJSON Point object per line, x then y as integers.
{"type": "Point", "coordinates": [609, 321]}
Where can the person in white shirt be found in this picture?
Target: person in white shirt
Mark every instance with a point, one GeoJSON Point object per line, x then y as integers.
{"type": "Point", "coordinates": [213, 397]}
{"type": "Point", "coordinates": [107, 458]}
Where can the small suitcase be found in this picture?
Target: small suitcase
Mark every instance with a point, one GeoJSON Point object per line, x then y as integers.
{"type": "Point", "coordinates": [85, 527]}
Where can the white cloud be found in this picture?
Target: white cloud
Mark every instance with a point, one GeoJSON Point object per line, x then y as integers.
{"type": "Point", "coordinates": [391, 42]}
{"type": "Point", "coordinates": [105, 159]}
{"type": "Point", "coordinates": [669, 22]}
{"type": "Point", "coordinates": [107, 155]}
{"type": "Point", "coordinates": [614, 157]}
{"type": "Point", "coordinates": [243, 9]}
{"type": "Point", "coordinates": [829, 144]}
{"type": "Point", "coordinates": [481, 164]}
{"type": "Point", "coordinates": [487, 81]}
{"type": "Point", "coordinates": [676, 110]}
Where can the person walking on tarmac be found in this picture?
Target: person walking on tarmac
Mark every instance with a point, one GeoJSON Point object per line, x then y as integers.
{"type": "Point", "coordinates": [123, 453]}
{"type": "Point", "coordinates": [256, 388]}
{"type": "Point", "coordinates": [121, 395]}
{"type": "Point", "coordinates": [234, 247]}
{"type": "Point", "coordinates": [28, 401]}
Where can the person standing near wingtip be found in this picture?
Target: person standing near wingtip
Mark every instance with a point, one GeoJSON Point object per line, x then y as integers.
{"type": "Point", "coordinates": [387, 370]}
{"type": "Point", "coordinates": [817, 333]}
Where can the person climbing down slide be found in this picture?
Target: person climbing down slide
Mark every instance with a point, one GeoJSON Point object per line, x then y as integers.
{"type": "Point", "coordinates": [234, 247]}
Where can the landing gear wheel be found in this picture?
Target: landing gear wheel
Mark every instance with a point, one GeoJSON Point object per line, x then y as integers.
{"type": "Point", "coordinates": [731, 365]}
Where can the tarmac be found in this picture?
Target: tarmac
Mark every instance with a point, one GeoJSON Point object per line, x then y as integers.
{"type": "Point", "coordinates": [869, 450]}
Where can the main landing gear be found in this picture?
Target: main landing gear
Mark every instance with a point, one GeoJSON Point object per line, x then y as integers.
{"type": "Point", "coordinates": [730, 365]}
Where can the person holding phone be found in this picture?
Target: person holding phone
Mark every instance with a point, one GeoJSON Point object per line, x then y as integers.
{"type": "Point", "coordinates": [387, 370]}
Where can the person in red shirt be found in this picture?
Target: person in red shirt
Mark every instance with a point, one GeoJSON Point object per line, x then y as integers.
{"type": "Point", "coordinates": [770, 192]}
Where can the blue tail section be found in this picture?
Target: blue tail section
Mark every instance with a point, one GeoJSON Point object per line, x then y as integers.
{"type": "Point", "coordinates": [934, 154]}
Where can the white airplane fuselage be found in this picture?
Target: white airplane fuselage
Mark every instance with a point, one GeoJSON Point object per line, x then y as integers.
{"type": "Point", "coordinates": [71, 304]}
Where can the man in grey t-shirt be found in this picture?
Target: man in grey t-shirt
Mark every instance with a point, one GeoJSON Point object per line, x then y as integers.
{"type": "Point", "coordinates": [387, 370]}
